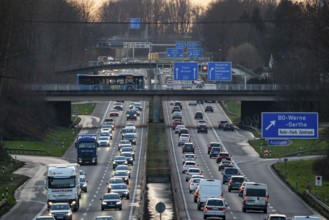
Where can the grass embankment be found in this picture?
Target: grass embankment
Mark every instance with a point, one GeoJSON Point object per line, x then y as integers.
{"type": "Point", "coordinates": [233, 112]}
{"type": "Point", "coordinates": [55, 144]}
{"type": "Point", "coordinates": [299, 175]}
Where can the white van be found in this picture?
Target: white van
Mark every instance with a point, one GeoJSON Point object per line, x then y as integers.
{"type": "Point", "coordinates": [255, 197]}
{"type": "Point", "coordinates": [208, 188]}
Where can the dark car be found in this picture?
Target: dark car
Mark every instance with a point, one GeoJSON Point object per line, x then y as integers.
{"type": "Point", "coordinates": [214, 152]}
{"type": "Point", "coordinates": [183, 131]}
{"type": "Point", "coordinates": [129, 157]}
{"type": "Point", "coordinates": [229, 127]}
{"type": "Point", "coordinates": [118, 107]}
{"type": "Point", "coordinates": [235, 183]}
{"type": "Point", "coordinates": [132, 137]}
{"type": "Point", "coordinates": [111, 200]}
{"type": "Point", "coordinates": [45, 217]}
{"type": "Point", "coordinates": [209, 108]}
{"type": "Point", "coordinates": [228, 172]}
{"type": "Point", "coordinates": [131, 115]}
{"type": "Point", "coordinates": [176, 109]}
{"type": "Point", "coordinates": [188, 147]}
{"type": "Point", "coordinates": [121, 189]}
{"type": "Point", "coordinates": [225, 163]}
{"type": "Point", "coordinates": [221, 124]}
{"type": "Point", "coordinates": [119, 160]}
{"type": "Point", "coordinates": [213, 144]}
{"type": "Point", "coordinates": [198, 115]}
{"type": "Point", "coordinates": [178, 103]}
{"type": "Point", "coordinates": [61, 211]}
{"type": "Point", "coordinates": [202, 128]}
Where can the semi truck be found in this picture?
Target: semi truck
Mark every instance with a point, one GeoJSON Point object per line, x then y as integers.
{"type": "Point", "coordinates": [86, 145]}
{"type": "Point", "coordinates": [63, 184]}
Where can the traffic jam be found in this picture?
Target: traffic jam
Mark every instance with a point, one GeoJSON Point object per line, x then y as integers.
{"type": "Point", "coordinates": [208, 193]}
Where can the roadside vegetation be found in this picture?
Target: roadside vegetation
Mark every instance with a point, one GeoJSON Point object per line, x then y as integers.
{"type": "Point", "coordinates": [298, 175]}
{"type": "Point", "coordinates": [56, 142]}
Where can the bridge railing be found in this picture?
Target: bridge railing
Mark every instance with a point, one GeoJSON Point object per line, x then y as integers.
{"type": "Point", "coordinates": [221, 87]}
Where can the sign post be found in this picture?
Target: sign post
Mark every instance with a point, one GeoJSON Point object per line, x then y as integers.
{"type": "Point", "coordinates": [318, 180]}
{"type": "Point", "coordinates": [160, 207]}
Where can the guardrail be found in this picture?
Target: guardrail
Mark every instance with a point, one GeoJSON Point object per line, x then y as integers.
{"type": "Point", "coordinates": [26, 151]}
{"type": "Point", "coordinates": [219, 87]}
{"type": "Point", "coordinates": [3, 203]}
{"type": "Point", "coordinates": [317, 202]}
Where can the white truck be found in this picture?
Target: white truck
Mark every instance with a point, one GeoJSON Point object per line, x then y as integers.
{"type": "Point", "coordinates": [63, 184]}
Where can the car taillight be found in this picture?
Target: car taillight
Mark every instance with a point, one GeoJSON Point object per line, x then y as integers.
{"type": "Point", "coordinates": [266, 198]}
{"type": "Point", "coordinates": [222, 209]}
{"type": "Point", "coordinates": [207, 208]}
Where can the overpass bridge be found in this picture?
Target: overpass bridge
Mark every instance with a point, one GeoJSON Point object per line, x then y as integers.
{"type": "Point", "coordinates": [255, 98]}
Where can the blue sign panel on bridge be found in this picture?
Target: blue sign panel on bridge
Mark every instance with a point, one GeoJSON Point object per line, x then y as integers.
{"type": "Point", "coordinates": [135, 23]}
{"type": "Point", "coordinates": [193, 44]}
{"type": "Point", "coordinates": [185, 71]}
{"type": "Point", "coordinates": [220, 71]}
{"type": "Point", "coordinates": [278, 142]}
{"type": "Point", "coordinates": [293, 125]}
{"type": "Point", "coordinates": [180, 44]}
{"type": "Point", "coordinates": [175, 52]}
{"type": "Point", "coordinates": [194, 52]}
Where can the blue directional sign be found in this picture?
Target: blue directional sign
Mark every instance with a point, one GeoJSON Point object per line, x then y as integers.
{"type": "Point", "coordinates": [286, 125]}
{"type": "Point", "coordinates": [279, 142]}
{"type": "Point", "coordinates": [180, 44]}
{"type": "Point", "coordinates": [175, 52]}
{"type": "Point", "coordinates": [194, 52]}
{"type": "Point", "coordinates": [220, 71]}
{"type": "Point", "coordinates": [193, 44]}
{"type": "Point", "coordinates": [185, 71]}
{"type": "Point", "coordinates": [135, 23]}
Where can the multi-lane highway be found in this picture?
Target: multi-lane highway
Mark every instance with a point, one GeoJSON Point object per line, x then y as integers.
{"type": "Point", "coordinates": [281, 199]}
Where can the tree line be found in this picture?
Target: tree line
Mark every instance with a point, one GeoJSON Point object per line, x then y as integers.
{"type": "Point", "coordinates": [39, 37]}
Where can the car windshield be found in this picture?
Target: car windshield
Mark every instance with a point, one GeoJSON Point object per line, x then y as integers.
{"type": "Point", "coordinates": [215, 202]}
{"type": "Point", "coordinates": [119, 158]}
{"type": "Point", "coordinates": [104, 218]}
{"type": "Point", "coordinates": [231, 171]}
{"type": "Point", "coordinates": [120, 174]}
{"type": "Point", "coordinates": [256, 192]}
{"type": "Point", "coordinates": [60, 207]}
{"type": "Point", "coordinates": [121, 186]}
{"type": "Point", "coordinates": [238, 179]}
{"type": "Point", "coordinates": [111, 196]}
{"type": "Point", "coordinates": [116, 180]}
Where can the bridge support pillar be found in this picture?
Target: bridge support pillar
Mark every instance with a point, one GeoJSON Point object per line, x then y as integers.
{"type": "Point", "coordinates": [156, 107]}
{"type": "Point", "coordinates": [62, 113]}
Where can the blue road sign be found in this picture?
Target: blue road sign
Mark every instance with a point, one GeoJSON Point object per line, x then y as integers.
{"type": "Point", "coordinates": [181, 44]}
{"type": "Point", "coordinates": [193, 44]}
{"type": "Point", "coordinates": [135, 23]}
{"type": "Point", "coordinates": [290, 125]}
{"type": "Point", "coordinates": [175, 52]}
{"type": "Point", "coordinates": [220, 71]}
{"type": "Point", "coordinates": [185, 71]}
{"type": "Point", "coordinates": [278, 142]}
{"type": "Point", "coordinates": [194, 52]}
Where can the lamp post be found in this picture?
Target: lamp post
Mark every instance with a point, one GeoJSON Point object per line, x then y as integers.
{"type": "Point", "coordinates": [219, 54]}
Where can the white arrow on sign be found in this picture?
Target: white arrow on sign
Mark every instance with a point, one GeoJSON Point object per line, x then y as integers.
{"type": "Point", "coordinates": [211, 69]}
{"type": "Point", "coordinates": [272, 123]}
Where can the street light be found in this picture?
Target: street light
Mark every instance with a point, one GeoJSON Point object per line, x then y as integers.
{"type": "Point", "coordinates": [219, 54]}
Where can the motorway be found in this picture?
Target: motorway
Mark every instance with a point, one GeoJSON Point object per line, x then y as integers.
{"type": "Point", "coordinates": [282, 200]}
{"type": "Point", "coordinates": [32, 197]}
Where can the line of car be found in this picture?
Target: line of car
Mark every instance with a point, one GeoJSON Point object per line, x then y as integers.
{"type": "Point", "coordinates": [118, 184]}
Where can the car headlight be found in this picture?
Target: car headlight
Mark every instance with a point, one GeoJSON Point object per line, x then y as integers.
{"type": "Point", "coordinates": [114, 162]}
{"type": "Point", "coordinates": [68, 214]}
{"type": "Point", "coordinates": [119, 203]}
{"type": "Point", "coordinates": [84, 185]}
{"type": "Point", "coordinates": [103, 203]}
